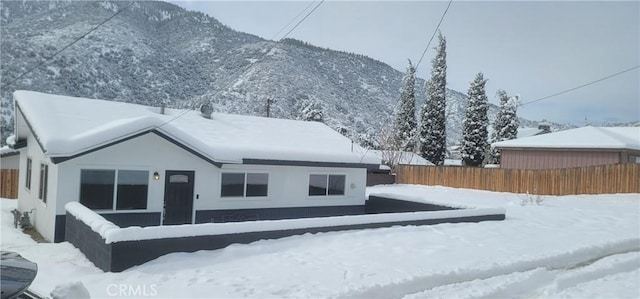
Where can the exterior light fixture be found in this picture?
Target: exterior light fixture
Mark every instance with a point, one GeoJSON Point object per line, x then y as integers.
{"type": "Point", "coordinates": [156, 176]}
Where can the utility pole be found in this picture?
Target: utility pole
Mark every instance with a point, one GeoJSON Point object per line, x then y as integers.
{"type": "Point", "coordinates": [269, 102]}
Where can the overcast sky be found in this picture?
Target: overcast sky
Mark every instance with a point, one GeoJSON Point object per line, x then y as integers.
{"type": "Point", "coordinates": [533, 49]}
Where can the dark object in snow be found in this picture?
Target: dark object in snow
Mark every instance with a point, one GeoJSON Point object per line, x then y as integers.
{"type": "Point", "coordinates": [206, 109]}
{"type": "Point", "coordinates": [16, 274]}
{"type": "Point", "coordinates": [21, 218]}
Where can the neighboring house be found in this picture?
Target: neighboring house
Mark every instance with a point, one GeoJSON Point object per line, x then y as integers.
{"type": "Point", "coordinates": [9, 158]}
{"type": "Point", "coordinates": [543, 128]}
{"type": "Point", "coordinates": [586, 146]}
{"type": "Point", "coordinates": [400, 157]}
{"type": "Point", "coordinates": [136, 165]}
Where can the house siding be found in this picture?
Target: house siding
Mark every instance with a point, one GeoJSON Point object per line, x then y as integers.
{"type": "Point", "coordinates": [287, 193]}
{"type": "Point", "coordinates": [42, 214]}
{"type": "Point", "coordinates": [553, 159]}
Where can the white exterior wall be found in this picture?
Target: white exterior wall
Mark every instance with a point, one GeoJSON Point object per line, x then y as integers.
{"type": "Point", "coordinates": [288, 185]}
{"type": "Point", "coordinates": [44, 214]}
{"type": "Point", "coordinates": [148, 152]}
{"type": "Point", "coordinates": [10, 162]}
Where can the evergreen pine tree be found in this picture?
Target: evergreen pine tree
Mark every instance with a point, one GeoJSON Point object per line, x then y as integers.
{"type": "Point", "coordinates": [405, 121]}
{"type": "Point", "coordinates": [474, 132]}
{"type": "Point", "coordinates": [505, 127]}
{"type": "Point", "coordinates": [433, 139]}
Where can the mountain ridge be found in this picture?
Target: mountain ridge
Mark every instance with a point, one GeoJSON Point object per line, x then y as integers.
{"type": "Point", "coordinates": [156, 52]}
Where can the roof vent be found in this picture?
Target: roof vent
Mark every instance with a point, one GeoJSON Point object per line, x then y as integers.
{"type": "Point", "coordinates": [206, 110]}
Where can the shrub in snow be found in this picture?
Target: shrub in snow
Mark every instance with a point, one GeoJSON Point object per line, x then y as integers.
{"type": "Point", "coordinates": [531, 199]}
{"type": "Point", "coordinates": [433, 143]}
{"type": "Point", "coordinates": [390, 148]}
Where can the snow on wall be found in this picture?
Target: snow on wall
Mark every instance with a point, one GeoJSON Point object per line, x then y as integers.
{"type": "Point", "coordinates": [112, 233]}
{"type": "Point", "coordinates": [97, 223]}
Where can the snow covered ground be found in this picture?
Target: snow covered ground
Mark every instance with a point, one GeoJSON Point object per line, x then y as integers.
{"type": "Point", "coordinates": [567, 247]}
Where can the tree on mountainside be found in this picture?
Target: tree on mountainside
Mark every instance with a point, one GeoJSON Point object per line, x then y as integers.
{"type": "Point", "coordinates": [309, 110]}
{"type": "Point", "coordinates": [432, 133]}
{"type": "Point", "coordinates": [474, 133]}
{"type": "Point", "coordinates": [405, 121]}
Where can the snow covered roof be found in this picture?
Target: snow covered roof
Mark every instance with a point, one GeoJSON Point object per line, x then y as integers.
{"type": "Point", "coordinates": [69, 126]}
{"type": "Point", "coordinates": [528, 132]}
{"type": "Point", "coordinates": [404, 157]}
{"type": "Point", "coordinates": [580, 138]}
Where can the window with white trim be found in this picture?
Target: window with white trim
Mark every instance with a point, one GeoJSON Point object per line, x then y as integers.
{"type": "Point", "coordinates": [327, 184]}
{"type": "Point", "coordinates": [241, 184]}
{"type": "Point", "coordinates": [109, 189]}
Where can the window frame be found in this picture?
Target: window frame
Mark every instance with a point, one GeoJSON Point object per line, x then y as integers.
{"type": "Point", "coordinates": [114, 195]}
{"type": "Point", "coordinates": [327, 189]}
{"type": "Point", "coordinates": [43, 187]}
{"type": "Point", "coordinates": [117, 191]}
{"type": "Point", "coordinates": [245, 185]}
{"type": "Point", "coordinates": [28, 174]}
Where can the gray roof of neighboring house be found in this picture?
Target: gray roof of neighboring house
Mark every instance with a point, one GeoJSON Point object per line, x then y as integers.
{"type": "Point", "coordinates": [580, 138]}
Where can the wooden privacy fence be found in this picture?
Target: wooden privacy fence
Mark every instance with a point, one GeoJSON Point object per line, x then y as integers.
{"type": "Point", "coordinates": [9, 183]}
{"type": "Point", "coordinates": [619, 178]}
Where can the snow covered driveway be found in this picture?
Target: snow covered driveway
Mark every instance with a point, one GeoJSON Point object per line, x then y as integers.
{"type": "Point", "coordinates": [567, 247]}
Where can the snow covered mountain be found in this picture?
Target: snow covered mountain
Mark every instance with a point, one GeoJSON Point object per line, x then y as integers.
{"type": "Point", "coordinates": [156, 52]}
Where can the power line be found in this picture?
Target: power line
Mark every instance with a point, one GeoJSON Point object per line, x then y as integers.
{"type": "Point", "coordinates": [232, 77]}
{"type": "Point", "coordinates": [581, 86]}
{"type": "Point", "coordinates": [434, 34]}
{"type": "Point", "coordinates": [428, 44]}
{"type": "Point", "coordinates": [305, 17]}
{"type": "Point", "coordinates": [67, 46]}
{"type": "Point", "coordinates": [295, 18]}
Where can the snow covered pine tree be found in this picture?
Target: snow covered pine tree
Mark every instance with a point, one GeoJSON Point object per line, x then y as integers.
{"type": "Point", "coordinates": [505, 127]}
{"type": "Point", "coordinates": [474, 127]}
{"type": "Point", "coordinates": [433, 138]}
{"type": "Point", "coordinates": [405, 123]}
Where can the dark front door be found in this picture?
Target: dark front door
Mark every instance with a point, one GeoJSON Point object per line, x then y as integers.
{"type": "Point", "coordinates": [178, 197]}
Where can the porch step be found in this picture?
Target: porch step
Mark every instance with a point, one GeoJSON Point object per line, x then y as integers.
{"type": "Point", "coordinates": [35, 235]}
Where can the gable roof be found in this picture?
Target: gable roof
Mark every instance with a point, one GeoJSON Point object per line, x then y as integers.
{"type": "Point", "coordinates": [70, 126]}
{"type": "Point", "coordinates": [580, 138]}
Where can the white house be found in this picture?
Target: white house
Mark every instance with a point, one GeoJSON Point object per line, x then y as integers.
{"type": "Point", "coordinates": [140, 165]}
